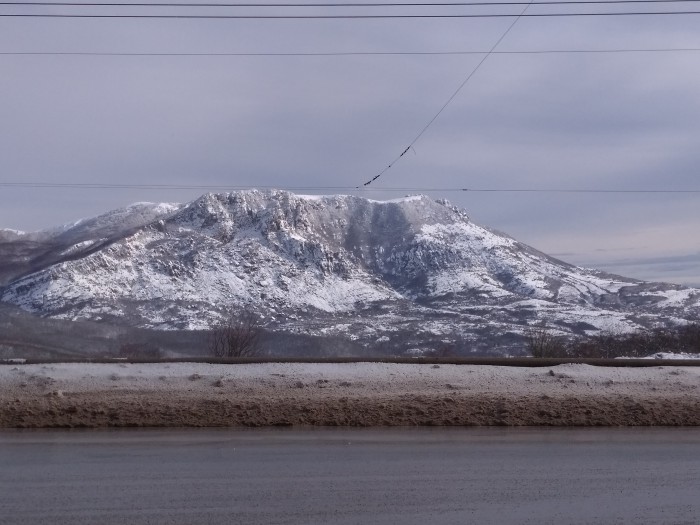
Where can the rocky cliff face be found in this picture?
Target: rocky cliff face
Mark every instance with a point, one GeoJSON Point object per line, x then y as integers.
{"type": "Point", "coordinates": [413, 273]}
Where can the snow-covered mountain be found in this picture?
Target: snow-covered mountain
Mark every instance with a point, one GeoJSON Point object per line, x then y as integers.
{"type": "Point", "coordinates": [412, 273]}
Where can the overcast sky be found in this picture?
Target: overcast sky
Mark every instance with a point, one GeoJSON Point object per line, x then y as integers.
{"type": "Point", "coordinates": [603, 121]}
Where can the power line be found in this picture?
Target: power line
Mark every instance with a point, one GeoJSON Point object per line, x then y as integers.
{"type": "Point", "coordinates": [425, 189]}
{"type": "Point", "coordinates": [542, 190]}
{"type": "Point", "coordinates": [449, 100]}
{"type": "Point", "coordinates": [344, 17]}
{"type": "Point", "coordinates": [368, 4]}
{"type": "Point", "coordinates": [351, 53]}
{"type": "Point", "coordinates": [338, 5]}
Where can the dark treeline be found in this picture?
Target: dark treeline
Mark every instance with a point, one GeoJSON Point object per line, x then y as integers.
{"type": "Point", "coordinates": [682, 339]}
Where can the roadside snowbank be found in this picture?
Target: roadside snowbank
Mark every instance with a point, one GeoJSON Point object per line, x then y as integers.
{"type": "Point", "coordinates": [669, 355]}
{"type": "Point", "coordinates": [195, 394]}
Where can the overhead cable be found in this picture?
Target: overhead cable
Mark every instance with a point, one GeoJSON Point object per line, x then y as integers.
{"type": "Point", "coordinates": [343, 17]}
{"type": "Point", "coordinates": [450, 99]}
{"type": "Point", "coordinates": [355, 4]}
{"type": "Point", "coordinates": [415, 189]}
{"type": "Point", "coordinates": [347, 53]}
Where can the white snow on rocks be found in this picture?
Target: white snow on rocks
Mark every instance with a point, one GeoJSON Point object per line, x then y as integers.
{"type": "Point", "coordinates": [184, 266]}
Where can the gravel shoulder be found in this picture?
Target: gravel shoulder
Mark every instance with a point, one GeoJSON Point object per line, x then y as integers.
{"type": "Point", "coordinates": [352, 394]}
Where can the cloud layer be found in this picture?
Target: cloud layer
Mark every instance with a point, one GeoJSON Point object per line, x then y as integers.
{"type": "Point", "coordinates": [612, 121]}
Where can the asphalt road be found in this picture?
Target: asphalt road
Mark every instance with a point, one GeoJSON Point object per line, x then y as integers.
{"type": "Point", "coordinates": [345, 476]}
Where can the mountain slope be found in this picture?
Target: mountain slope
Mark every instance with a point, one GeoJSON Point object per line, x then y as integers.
{"type": "Point", "coordinates": [410, 272]}
{"type": "Point", "coordinates": [24, 253]}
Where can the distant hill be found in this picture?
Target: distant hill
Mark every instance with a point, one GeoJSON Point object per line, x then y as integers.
{"type": "Point", "coordinates": [404, 276]}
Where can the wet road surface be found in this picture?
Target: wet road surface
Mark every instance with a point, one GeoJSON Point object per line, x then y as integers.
{"type": "Point", "coordinates": [347, 476]}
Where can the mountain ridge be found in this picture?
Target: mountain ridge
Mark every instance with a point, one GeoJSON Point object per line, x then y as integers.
{"type": "Point", "coordinates": [375, 272]}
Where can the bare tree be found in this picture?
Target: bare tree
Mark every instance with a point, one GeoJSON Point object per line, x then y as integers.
{"type": "Point", "coordinates": [543, 343]}
{"type": "Point", "coordinates": [238, 336]}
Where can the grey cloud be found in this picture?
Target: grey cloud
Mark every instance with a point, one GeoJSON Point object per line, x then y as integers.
{"type": "Point", "coordinates": [569, 121]}
{"type": "Point", "coordinates": [682, 269]}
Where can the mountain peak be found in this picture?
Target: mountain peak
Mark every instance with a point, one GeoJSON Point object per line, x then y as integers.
{"type": "Point", "coordinates": [337, 265]}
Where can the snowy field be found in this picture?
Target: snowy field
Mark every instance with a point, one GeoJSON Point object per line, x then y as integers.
{"type": "Point", "coordinates": [354, 394]}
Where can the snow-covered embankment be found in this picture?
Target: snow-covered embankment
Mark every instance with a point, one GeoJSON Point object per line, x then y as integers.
{"type": "Point", "coordinates": [364, 394]}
